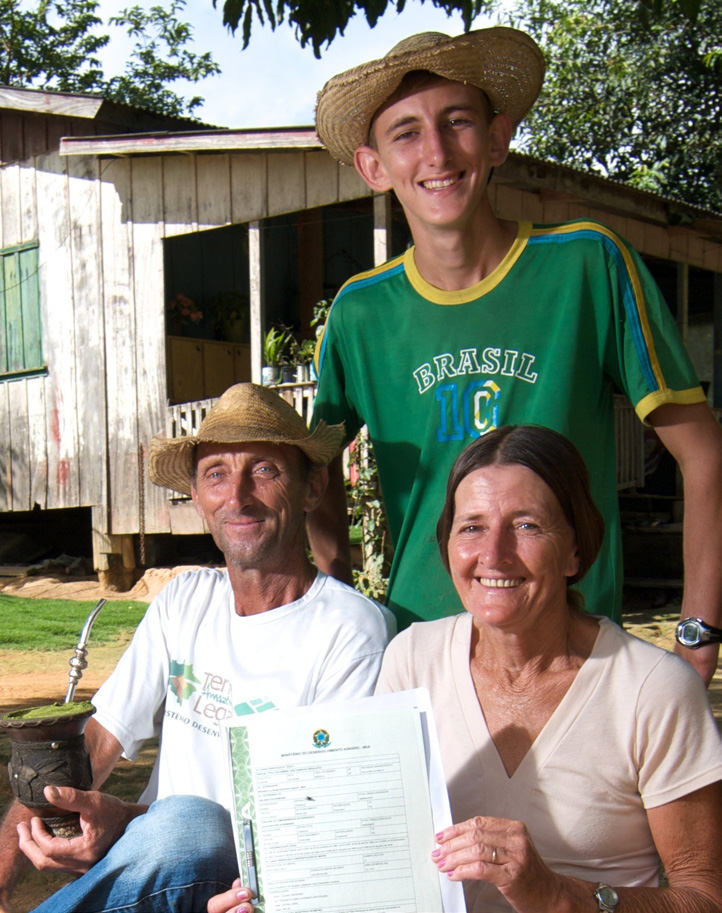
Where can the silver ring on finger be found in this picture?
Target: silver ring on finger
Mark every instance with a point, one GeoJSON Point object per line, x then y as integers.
{"type": "Point", "coordinates": [494, 854]}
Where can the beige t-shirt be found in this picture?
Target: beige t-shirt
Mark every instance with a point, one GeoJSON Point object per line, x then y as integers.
{"type": "Point", "coordinates": [634, 731]}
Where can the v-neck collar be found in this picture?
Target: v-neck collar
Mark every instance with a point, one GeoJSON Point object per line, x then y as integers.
{"type": "Point", "coordinates": [556, 727]}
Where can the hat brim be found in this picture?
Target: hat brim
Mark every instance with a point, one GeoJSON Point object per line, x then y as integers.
{"type": "Point", "coordinates": [505, 63]}
{"type": "Point", "coordinates": [170, 460]}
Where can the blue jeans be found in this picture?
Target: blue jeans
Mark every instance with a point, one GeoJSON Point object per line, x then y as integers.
{"type": "Point", "coordinates": [170, 860]}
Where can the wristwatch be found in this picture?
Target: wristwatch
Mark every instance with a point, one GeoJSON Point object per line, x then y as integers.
{"type": "Point", "coordinates": [694, 633]}
{"type": "Point", "coordinates": [606, 897]}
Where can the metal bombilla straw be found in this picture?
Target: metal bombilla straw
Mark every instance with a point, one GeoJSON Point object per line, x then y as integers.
{"type": "Point", "coordinates": [79, 662]}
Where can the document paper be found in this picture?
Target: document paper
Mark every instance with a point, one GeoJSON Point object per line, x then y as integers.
{"type": "Point", "coordinates": [338, 796]}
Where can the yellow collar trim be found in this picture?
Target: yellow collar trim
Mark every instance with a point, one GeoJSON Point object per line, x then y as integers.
{"type": "Point", "coordinates": [464, 295]}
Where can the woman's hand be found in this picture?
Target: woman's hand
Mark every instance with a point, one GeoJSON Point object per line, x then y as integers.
{"type": "Point", "coordinates": [500, 852]}
{"type": "Point", "coordinates": [236, 900]}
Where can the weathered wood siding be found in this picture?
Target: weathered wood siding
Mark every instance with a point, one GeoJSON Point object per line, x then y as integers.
{"type": "Point", "coordinates": [79, 435]}
{"type": "Point", "coordinates": [684, 245]}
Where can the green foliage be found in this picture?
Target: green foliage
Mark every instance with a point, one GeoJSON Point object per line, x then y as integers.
{"type": "Point", "coordinates": [318, 22]}
{"type": "Point", "coordinates": [638, 101]}
{"type": "Point", "coordinates": [54, 45]}
{"type": "Point", "coordinates": [55, 624]}
{"type": "Point", "coordinates": [320, 315]}
{"type": "Point", "coordinates": [276, 345]}
{"type": "Point", "coordinates": [367, 511]}
{"type": "Point", "coordinates": [301, 353]}
{"type": "Point", "coordinates": [160, 57]}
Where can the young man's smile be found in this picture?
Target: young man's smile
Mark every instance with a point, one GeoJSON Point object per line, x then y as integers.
{"type": "Point", "coordinates": [442, 183]}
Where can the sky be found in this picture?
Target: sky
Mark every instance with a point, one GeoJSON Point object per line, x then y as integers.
{"type": "Point", "coordinates": [273, 83]}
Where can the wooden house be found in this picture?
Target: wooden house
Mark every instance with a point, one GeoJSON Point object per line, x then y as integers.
{"type": "Point", "coordinates": [143, 259]}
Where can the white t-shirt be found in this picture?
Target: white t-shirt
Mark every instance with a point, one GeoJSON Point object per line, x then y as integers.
{"type": "Point", "coordinates": [193, 662]}
{"type": "Point", "coordinates": [634, 731]}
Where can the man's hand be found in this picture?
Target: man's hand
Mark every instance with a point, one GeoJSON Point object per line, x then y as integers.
{"type": "Point", "coordinates": [103, 820]}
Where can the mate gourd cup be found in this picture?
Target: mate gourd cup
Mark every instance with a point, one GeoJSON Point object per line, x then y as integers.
{"type": "Point", "coordinates": [48, 749]}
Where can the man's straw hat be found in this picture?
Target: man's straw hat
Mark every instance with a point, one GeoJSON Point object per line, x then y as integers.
{"type": "Point", "coordinates": [504, 63]}
{"type": "Point", "coordinates": [245, 412]}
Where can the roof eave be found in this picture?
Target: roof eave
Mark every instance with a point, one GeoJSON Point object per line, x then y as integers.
{"type": "Point", "coordinates": [192, 141]}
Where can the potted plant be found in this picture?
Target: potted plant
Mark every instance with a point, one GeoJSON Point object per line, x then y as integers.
{"type": "Point", "coordinates": [302, 355]}
{"type": "Point", "coordinates": [276, 345]}
{"type": "Point", "coordinates": [318, 323]}
{"type": "Point", "coordinates": [229, 310]}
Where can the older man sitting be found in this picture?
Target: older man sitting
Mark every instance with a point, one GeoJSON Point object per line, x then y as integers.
{"type": "Point", "coordinates": [268, 631]}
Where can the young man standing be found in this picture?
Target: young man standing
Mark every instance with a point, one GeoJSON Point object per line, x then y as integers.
{"type": "Point", "coordinates": [486, 322]}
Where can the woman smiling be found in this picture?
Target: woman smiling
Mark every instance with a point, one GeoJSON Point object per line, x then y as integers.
{"type": "Point", "coordinates": [577, 757]}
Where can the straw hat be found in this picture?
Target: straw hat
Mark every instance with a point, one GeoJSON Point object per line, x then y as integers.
{"type": "Point", "coordinates": [245, 412]}
{"type": "Point", "coordinates": [505, 63]}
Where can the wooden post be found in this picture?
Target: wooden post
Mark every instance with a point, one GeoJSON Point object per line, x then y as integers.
{"type": "Point", "coordinates": [683, 300]}
{"type": "Point", "coordinates": [717, 350]}
{"type": "Point", "coordinates": [255, 265]}
{"type": "Point", "coordinates": [382, 228]}
{"type": "Point", "coordinates": [113, 556]}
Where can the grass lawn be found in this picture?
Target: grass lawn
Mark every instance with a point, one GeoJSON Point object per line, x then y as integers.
{"type": "Point", "coordinates": [55, 624]}
{"type": "Point", "coordinates": [30, 625]}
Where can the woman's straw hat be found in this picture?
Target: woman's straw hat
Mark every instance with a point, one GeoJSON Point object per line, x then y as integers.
{"type": "Point", "coordinates": [245, 412]}
{"type": "Point", "coordinates": [504, 63]}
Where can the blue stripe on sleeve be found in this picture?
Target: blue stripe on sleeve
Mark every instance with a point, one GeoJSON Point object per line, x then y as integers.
{"type": "Point", "coordinates": [628, 298]}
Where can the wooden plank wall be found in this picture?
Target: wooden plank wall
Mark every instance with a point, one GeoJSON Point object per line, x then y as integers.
{"type": "Point", "coordinates": [79, 436]}
{"type": "Point", "coordinates": [49, 459]}
{"type": "Point", "coordinates": [24, 134]}
{"type": "Point", "coordinates": [670, 243]}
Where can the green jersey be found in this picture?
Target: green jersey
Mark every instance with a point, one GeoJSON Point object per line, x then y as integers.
{"type": "Point", "coordinates": [570, 313]}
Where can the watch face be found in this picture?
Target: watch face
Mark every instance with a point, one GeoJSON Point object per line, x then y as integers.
{"type": "Point", "coordinates": [607, 897]}
{"type": "Point", "coordinates": [689, 633]}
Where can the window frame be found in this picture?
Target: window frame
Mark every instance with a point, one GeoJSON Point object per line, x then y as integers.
{"type": "Point", "coordinates": [21, 340]}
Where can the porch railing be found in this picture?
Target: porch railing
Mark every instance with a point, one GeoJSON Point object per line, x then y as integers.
{"type": "Point", "coordinates": [184, 419]}
{"type": "Point", "coordinates": [629, 435]}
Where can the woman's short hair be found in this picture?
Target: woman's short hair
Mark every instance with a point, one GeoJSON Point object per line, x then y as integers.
{"type": "Point", "coordinates": [555, 460]}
